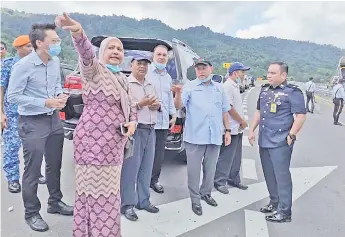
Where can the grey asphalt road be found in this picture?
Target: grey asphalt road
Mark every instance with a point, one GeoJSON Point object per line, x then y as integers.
{"type": "Point", "coordinates": [318, 212]}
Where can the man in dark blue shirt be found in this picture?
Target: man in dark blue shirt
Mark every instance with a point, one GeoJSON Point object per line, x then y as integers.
{"type": "Point", "coordinates": [277, 105]}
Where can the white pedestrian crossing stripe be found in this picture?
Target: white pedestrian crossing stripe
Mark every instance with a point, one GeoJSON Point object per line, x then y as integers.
{"type": "Point", "coordinates": [246, 117]}
{"type": "Point", "coordinates": [249, 169]}
{"type": "Point", "coordinates": [256, 225]}
{"type": "Point", "coordinates": [245, 141]}
{"type": "Point", "coordinates": [177, 218]}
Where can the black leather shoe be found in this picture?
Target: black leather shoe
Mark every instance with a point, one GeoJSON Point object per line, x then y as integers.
{"type": "Point", "coordinates": [42, 180]}
{"type": "Point", "coordinates": [239, 186]}
{"type": "Point", "coordinates": [157, 188]}
{"type": "Point", "coordinates": [278, 218]}
{"type": "Point", "coordinates": [60, 208]}
{"type": "Point", "coordinates": [129, 213]}
{"type": "Point", "coordinates": [14, 187]}
{"type": "Point", "coordinates": [268, 209]}
{"type": "Point", "coordinates": [221, 189]}
{"type": "Point", "coordinates": [150, 208]}
{"type": "Point", "coordinates": [337, 123]}
{"type": "Point", "coordinates": [37, 223]}
{"type": "Point", "coordinates": [197, 209]}
{"type": "Point", "coordinates": [209, 200]}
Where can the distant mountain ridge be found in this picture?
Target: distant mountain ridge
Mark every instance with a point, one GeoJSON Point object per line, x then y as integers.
{"type": "Point", "coordinates": [305, 59]}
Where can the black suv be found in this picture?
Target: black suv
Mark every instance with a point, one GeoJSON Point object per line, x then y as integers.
{"type": "Point", "coordinates": [180, 66]}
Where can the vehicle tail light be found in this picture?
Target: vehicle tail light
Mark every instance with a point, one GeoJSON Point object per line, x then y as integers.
{"type": "Point", "coordinates": [62, 115]}
{"type": "Point", "coordinates": [176, 129]}
{"type": "Point", "coordinates": [73, 82]}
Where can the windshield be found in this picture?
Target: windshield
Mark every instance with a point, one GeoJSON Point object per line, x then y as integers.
{"type": "Point", "coordinates": [187, 58]}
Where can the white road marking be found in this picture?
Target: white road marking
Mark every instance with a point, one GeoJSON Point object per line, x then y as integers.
{"type": "Point", "coordinates": [245, 141]}
{"type": "Point", "coordinates": [244, 103]}
{"type": "Point", "coordinates": [246, 117]}
{"type": "Point", "coordinates": [249, 169]}
{"type": "Point", "coordinates": [256, 225]}
{"type": "Point", "coordinates": [177, 217]}
{"type": "Point", "coordinates": [245, 111]}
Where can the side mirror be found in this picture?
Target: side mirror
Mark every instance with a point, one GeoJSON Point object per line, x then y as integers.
{"type": "Point", "coordinates": [217, 78]}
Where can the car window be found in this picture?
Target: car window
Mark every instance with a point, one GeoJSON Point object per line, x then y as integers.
{"type": "Point", "coordinates": [126, 64]}
{"type": "Point", "coordinates": [64, 71]}
{"type": "Point", "coordinates": [187, 58]}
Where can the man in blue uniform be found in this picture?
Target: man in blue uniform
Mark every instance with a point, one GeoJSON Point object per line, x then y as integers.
{"type": "Point", "coordinates": [277, 104]}
{"type": "Point", "coordinates": [9, 117]}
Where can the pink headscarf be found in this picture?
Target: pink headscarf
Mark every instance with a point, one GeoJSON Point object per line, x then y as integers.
{"type": "Point", "coordinates": [104, 45]}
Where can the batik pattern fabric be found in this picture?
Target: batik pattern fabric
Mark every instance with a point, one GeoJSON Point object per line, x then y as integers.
{"type": "Point", "coordinates": [97, 204]}
{"type": "Point", "coordinates": [98, 148]}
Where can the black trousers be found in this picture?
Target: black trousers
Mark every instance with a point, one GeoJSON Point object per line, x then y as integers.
{"type": "Point", "coordinates": [161, 136]}
{"type": "Point", "coordinates": [310, 98]}
{"type": "Point", "coordinates": [276, 167]}
{"type": "Point", "coordinates": [338, 108]}
{"type": "Point", "coordinates": [41, 135]}
{"type": "Point", "coordinates": [229, 162]}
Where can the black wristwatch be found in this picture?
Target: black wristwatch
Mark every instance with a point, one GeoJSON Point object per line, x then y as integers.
{"type": "Point", "coordinates": [292, 136]}
{"type": "Point", "coordinates": [227, 130]}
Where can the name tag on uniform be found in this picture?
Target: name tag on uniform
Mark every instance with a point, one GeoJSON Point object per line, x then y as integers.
{"type": "Point", "coordinates": [273, 108]}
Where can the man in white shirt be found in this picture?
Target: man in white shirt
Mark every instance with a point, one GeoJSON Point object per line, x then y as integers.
{"type": "Point", "coordinates": [160, 78]}
{"type": "Point", "coordinates": [229, 161]}
{"type": "Point", "coordinates": [310, 90]}
{"type": "Point", "coordinates": [338, 100]}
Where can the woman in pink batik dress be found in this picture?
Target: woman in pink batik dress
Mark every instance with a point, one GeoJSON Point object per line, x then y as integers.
{"type": "Point", "coordinates": [98, 142]}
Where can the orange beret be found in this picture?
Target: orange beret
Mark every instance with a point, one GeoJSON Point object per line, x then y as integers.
{"type": "Point", "coordinates": [21, 40]}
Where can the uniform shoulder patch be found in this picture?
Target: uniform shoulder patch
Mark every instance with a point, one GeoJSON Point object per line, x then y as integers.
{"type": "Point", "coordinates": [265, 85]}
{"type": "Point", "coordinates": [294, 87]}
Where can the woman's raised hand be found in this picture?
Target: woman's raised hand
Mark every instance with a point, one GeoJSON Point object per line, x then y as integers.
{"type": "Point", "coordinates": [67, 23]}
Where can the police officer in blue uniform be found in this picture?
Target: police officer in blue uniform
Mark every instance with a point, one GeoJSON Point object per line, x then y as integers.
{"type": "Point", "coordinates": [277, 104]}
{"type": "Point", "coordinates": [9, 118]}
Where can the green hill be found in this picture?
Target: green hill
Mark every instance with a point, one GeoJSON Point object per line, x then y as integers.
{"type": "Point", "coordinates": [304, 58]}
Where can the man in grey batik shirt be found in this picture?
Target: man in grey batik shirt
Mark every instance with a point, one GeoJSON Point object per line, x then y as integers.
{"type": "Point", "coordinates": [137, 170]}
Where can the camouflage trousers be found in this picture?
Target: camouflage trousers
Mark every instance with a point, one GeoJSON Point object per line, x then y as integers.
{"type": "Point", "coordinates": [12, 144]}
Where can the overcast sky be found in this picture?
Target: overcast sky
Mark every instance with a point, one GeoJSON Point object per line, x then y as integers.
{"type": "Point", "coordinates": [319, 22]}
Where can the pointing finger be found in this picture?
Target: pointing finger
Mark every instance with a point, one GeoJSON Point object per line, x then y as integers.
{"type": "Point", "coordinates": [58, 21]}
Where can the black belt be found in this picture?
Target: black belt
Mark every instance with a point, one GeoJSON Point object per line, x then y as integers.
{"type": "Point", "coordinates": [146, 126]}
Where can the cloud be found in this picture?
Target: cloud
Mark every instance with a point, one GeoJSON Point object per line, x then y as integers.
{"type": "Point", "coordinates": [318, 22]}
{"type": "Point", "coordinates": [225, 17]}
